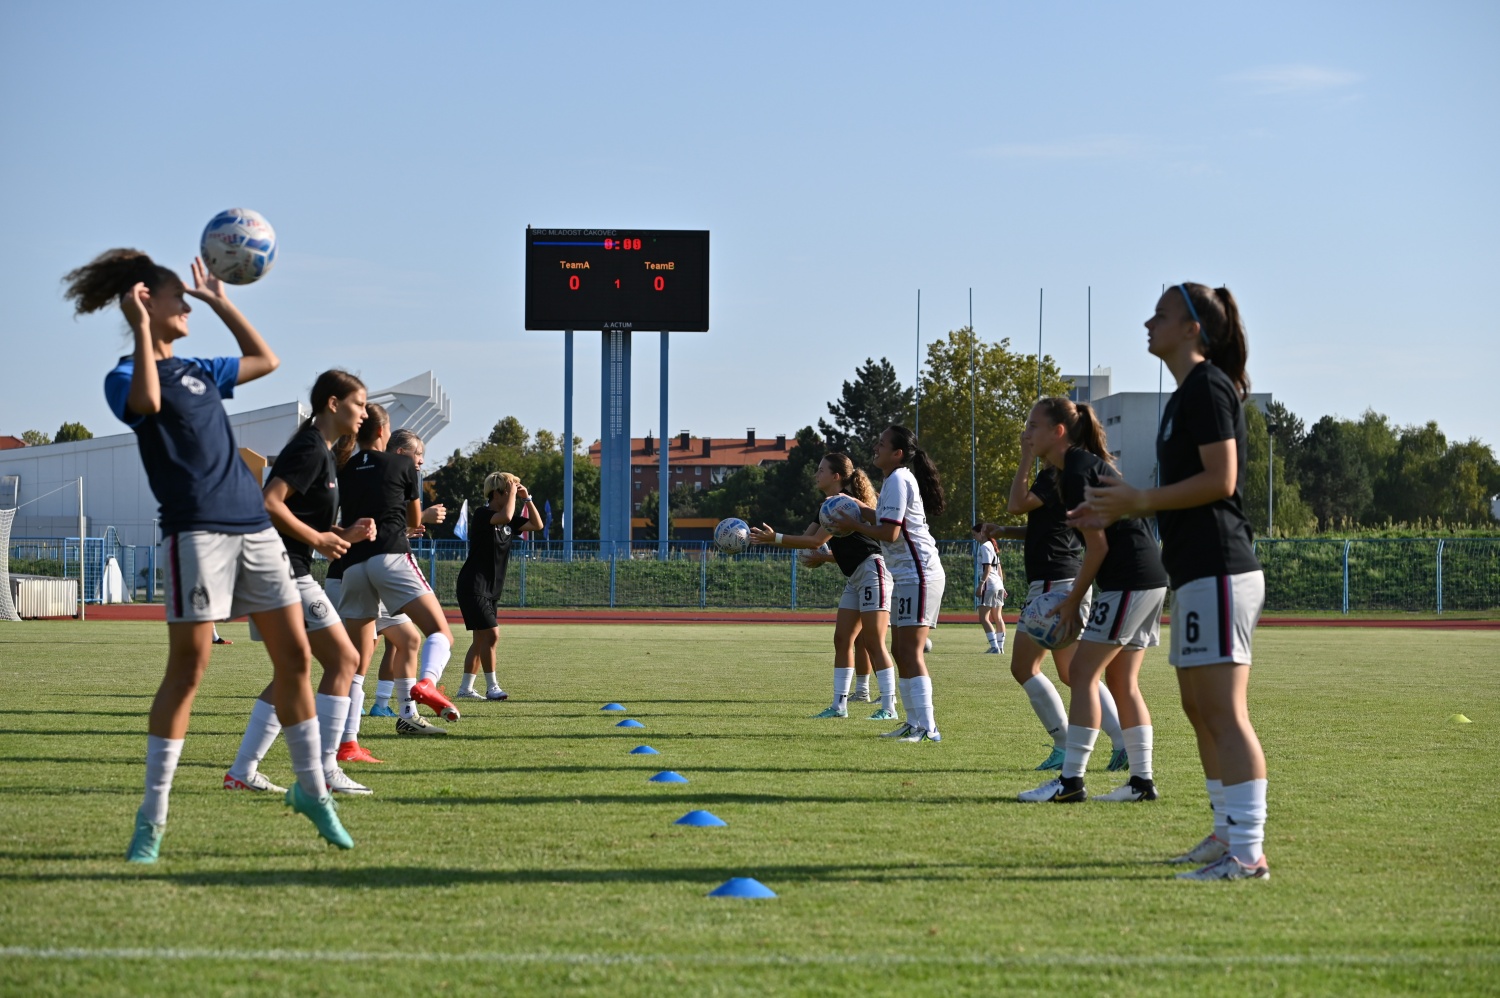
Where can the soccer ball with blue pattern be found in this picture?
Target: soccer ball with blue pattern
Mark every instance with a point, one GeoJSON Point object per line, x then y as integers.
{"type": "Point", "coordinates": [1049, 632]}
{"type": "Point", "coordinates": [238, 246]}
{"type": "Point", "coordinates": [834, 509]}
{"type": "Point", "coordinates": [732, 536]}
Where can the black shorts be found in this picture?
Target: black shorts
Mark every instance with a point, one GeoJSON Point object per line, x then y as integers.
{"type": "Point", "coordinates": [477, 603]}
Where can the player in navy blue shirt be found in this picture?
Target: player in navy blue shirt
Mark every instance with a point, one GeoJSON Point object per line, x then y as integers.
{"type": "Point", "coordinates": [1218, 589]}
{"type": "Point", "coordinates": [224, 558]}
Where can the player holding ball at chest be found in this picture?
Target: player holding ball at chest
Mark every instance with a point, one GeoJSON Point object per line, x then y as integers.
{"type": "Point", "coordinates": [493, 527]}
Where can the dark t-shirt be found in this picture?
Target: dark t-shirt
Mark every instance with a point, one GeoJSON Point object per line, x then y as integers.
{"type": "Point", "coordinates": [1133, 561]}
{"type": "Point", "coordinates": [188, 448]}
{"type": "Point", "coordinates": [379, 485]}
{"type": "Point", "coordinates": [1053, 549]}
{"type": "Point", "coordinates": [1206, 540]}
{"type": "Point", "coordinates": [850, 552]}
{"type": "Point", "coordinates": [306, 465]}
{"type": "Point", "coordinates": [489, 548]}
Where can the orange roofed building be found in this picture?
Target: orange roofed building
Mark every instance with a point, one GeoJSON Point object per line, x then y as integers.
{"type": "Point", "coordinates": [702, 462]}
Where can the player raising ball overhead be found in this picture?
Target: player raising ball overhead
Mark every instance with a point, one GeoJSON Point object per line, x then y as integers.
{"type": "Point", "coordinates": [865, 607]}
{"type": "Point", "coordinates": [223, 556]}
{"type": "Point", "coordinates": [492, 527]}
{"type": "Point", "coordinates": [912, 490]}
{"type": "Point", "coordinates": [1206, 547]}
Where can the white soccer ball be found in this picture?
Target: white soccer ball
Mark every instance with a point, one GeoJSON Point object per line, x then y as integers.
{"type": "Point", "coordinates": [238, 246]}
{"type": "Point", "coordinates": [732, 535]}
{"type": "Point", "coordinates": [1049, 632]}
{"type": "Point", "coordinates": [835, 508]}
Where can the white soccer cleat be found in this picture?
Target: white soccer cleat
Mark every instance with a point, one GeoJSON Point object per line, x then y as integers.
{"type": "Point", "coordinates": [1133, 790]}
{"type": "Point", "coordinates": [1210, 850]}
{"type": "Point", "coordinates": [496, 693]}
{"type": "Point", "coordinates": [1228, 868]}
{"type": "Point", "coordinates": [255, 781]}
{"type": "Point", "coordinates": [922, 735]}
{"type": "Point", "coordinates": [469, 695]}
{"type": "Point", "coordinates": [902, 732]}
{"type": "Point", "coordinates": [340, 783]}
{"type": "Point", "coordinates": [1041, 794]}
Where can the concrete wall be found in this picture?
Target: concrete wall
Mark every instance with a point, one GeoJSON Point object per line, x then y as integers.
{"type": "Point", "coordinates": [1130, 424]}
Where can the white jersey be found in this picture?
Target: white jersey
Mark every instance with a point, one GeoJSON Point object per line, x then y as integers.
{"type": "Point", "coordinates": [988, 560]}
{"type": "Point", "coordinates": [913, 556]}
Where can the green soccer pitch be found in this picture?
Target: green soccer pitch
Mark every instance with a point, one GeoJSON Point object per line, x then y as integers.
{"type": "Point", "coordinates": [527, 853]}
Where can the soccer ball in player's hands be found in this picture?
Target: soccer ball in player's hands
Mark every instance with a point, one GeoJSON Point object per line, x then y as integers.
{"type": "Point", "coordinates": [838, 514]}
{"type": "Point", "coordinates": [238, 246]}
{"type": "Point", "coordinates": [732, 536]}
{"type": "Point", "coordinates": [1042, 621]}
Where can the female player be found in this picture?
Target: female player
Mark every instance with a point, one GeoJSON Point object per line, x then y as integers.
{"type": "Point", "coordinates": [508, 511]}
{"type": "Point", "coordinates": [1052, 555]}
{"type": "Point", "coordinates": [911, 488]}
{"type": "Point", "coordinates": [302, 498]}
{"type": "Point", "coordinates": [381, 482]}
{"type": "Point", "coordinates": [1124, 561]}
{"type": "Point", "coordinates": [990, 592]}
{"type": "Point", "coordinates": [865, 607]}
{"type": "Point", "coordinates": [1206, 548]}
{"type": "Point", "coordinates": [224, 558]}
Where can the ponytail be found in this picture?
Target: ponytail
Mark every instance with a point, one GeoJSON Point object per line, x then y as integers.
{"type": "Point", "coordinates": [376, 419]}
{"type": "Point", "coordinates": [1224, 340]}
{"type": "Point", "coordinates": [1082, 425]}
{"type": "Point", "coordinates": [929, 482]}
{"type": "Point", "coordinates": [110, 276]}
{"type": "Point", "coordinates": [855, 482]}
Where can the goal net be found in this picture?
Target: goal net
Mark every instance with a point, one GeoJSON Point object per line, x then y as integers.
{"type": "Point", "coordinates": [7, 605]}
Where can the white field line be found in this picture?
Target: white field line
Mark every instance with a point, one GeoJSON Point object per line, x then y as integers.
{"type": "Point", "coordinates": [184, 954]}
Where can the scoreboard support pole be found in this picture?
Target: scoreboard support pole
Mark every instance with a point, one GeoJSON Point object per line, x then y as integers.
{"type": "Point", "coordinates": [614, 436]}
{"type": "Point", "coordinates": [568, 445]}
{"type": "Point", "coordinates": [663, 494]}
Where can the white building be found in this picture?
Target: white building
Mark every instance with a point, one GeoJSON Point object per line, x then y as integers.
{"type": "Point", "coordinates": [115, 491]}
{"type": "Point", "coordinates": [1130, 423]}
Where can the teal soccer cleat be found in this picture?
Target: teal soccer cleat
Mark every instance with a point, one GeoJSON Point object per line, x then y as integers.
{"type": "Point", "coordinates": [323, 813]}
{"type": "Point", "coordinates": [146, 842]}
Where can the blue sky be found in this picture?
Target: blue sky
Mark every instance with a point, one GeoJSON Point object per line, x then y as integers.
{"type": "Point", "coordinates": [1334, 164]}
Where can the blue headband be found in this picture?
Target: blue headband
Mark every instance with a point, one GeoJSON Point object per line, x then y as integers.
{"type": "Point", "coordinates": [1202, 333]}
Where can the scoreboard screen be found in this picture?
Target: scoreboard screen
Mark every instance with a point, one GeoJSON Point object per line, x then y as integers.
{"type": "Point", "coordinates": [638, 279]}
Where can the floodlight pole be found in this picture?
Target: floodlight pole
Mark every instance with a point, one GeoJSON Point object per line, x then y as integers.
{"type": "Point", "coordinates": [663, 496]}
{"type": "Point", "coordinates": [567, 510]}
{"type": "Point", "coordinates": [916, 427]}
{"type": "Point", "coordinates": [973, 433]}
{"type": "Point", "coordinates": [82, 530]}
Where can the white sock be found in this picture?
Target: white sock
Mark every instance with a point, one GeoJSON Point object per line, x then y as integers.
{"type": "Point", "coordinates": [1111, 717]}
{"type": "Point", "coordinates": [307, 756]}
{"type": "Point", "coordinates": [466, 684]}
{"type": "Point", "coordinates": [356, 708]}
{"type": "Point", "coordinates": [887, 680]}
{"type": "Point", "coordinates": [842, 680]}
{"type": "Point", "coordinates": [435, 652]}
{"type": "Point", "coordinates": [1216, 801]}
{"type": "Point", "coordinates": [1138, 743]}
{"type": "Point", "coordinates": [1000, 641]}
{"type": "Point", "coordinates": [993, 637]}
{"type": "Point", "coordinates": [403, 697]}
{"type": "Point", "coordinates": [161, 763]}
{"type": "Point", "coordinates": [1080, 747]}
{"type": "Point", "coordinates": [260, 732]}
{"type": "Point", "coordinates": [1246, 805]}
{"type": "Point", "coordinates": [383, 688]}
{"type": "Point", "coordinates": [920, 706]}
{"type": "Point", "coordinates": [490, 682]}
{"type": "Point", "coordinates": [333, 714]}
{"type": "Point", "coordinates": [906, 699]}
{"type": "Point", "coordinates": [862, 685]}
{"type": "Point", "coordinates": [1049, 708]}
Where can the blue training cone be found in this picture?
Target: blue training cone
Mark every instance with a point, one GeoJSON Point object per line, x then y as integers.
{"type": "Point", "coordinates": [667, 776]}
{"type": "Point", "coordinates": [644, 750]}
{"type": "Point", "coordinates": [630, 722]}
{"type": "Point", "coordinates": [742, 887]}
{"type": "Point", "coordinates": [613, 706]}
{"type": "Point", "coordinates": [701, 819]}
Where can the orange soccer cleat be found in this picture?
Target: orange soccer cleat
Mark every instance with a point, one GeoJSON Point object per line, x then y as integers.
{"type": "Point", "coordinates": [353, 752]}
{"type": "Point", "coordinates": [426, 694]}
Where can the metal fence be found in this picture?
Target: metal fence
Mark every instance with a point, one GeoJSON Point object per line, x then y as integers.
{"type": "Point", "coordinates": [1417, 575]}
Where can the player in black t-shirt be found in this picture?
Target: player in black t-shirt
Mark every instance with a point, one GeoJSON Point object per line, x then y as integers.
{"type": "Point", "coordinates": [1124, 562]}
{"type": "Point", "coordinates": [1053, 554]}
{"type": "Point", "coordinates": [865, 607]}
{"type": "Point", "coordinates": [302, 498]}
{"type": "Point", "coordinates": [507, 511]}
{"type": "Point", "coordinates": [1218, 589]}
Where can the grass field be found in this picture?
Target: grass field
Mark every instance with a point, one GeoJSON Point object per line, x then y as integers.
{"type": "Point", "coordinates": [527, 853]}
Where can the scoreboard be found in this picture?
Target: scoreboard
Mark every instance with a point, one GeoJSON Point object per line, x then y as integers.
{"type": "Point", "coordinates": [632, 279]}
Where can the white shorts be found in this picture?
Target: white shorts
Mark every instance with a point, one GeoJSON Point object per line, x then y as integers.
{"type": "Point", "coordinates": [869, 588]}
{"type": "Point", "coordinates": [385, 580]}
{"type": "Point", "coordinates": [1131, 618]}
{"type": "Point", "coordinates": [317, 607]}
{"type": "Point", "coordinates": [993, 593]}
{"type": "Point", "coordinates": [1213, 619]}
{"type": "Point", "coordinates": [335, 590]}
{"type": "Point", "coordinates": [917, 603]}
{"type": "Point", "coordinates": [213, 576]}
{"type": "Point", "coordinates": [1035, 589]}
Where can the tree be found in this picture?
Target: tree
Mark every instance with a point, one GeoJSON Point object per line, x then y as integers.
{"type": "Point", "coordinates": [68, 432]}
{"type": "Point", "coordinates": [1470, 475]}
{"type": "Point", "coordinates": [783, 495]}
{"type": "Point", "coordinates": [865, 407]}
{"type": "Point", "coordinates": [1291, 513]}
{"type": "Point", "coordinates": [35, 438]}
{"type": "Point", "coordinates": [1006, 389]}
{"type": "Point", "coordinates": [1335, 480]}
{"type": "Point", "coordinates": [508, 432]}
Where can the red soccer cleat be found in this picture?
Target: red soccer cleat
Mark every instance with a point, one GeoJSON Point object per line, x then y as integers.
{"type": "Point", "coordinates": [353, 752]}
{"type": "Point", "coordinates": [427, 695]}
